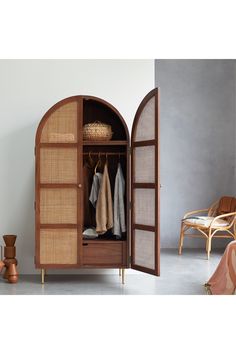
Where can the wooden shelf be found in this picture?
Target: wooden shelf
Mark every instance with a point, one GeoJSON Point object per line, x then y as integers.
{"type": "Point", "coordinates": [97, 240]}
{"type": "Point", "coordinates": [109, 142]}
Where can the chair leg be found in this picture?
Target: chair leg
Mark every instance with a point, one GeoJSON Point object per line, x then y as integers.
{"type": "Point", "coordinates": [207, 244]}
{"type": "Point", "coordinates": [181, 238]}
{"type": "Point", "coordinates": [209, 247]}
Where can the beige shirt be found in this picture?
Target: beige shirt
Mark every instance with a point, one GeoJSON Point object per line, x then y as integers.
{"type": "Point", "coordinates": [104, 208]}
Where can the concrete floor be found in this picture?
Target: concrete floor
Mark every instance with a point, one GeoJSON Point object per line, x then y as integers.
{"type": "Point", "coordinates": [180, 275]}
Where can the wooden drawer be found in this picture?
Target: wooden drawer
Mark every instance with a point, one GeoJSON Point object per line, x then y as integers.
{"type": "Point", "coordinates": [104, 253]}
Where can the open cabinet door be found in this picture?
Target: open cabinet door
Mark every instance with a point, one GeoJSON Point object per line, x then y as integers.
{"type": "Point", "coordinates": [145, 245]}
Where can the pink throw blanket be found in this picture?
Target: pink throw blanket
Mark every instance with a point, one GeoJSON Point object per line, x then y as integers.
{"type": "Point", "coordinates": [223, 281]}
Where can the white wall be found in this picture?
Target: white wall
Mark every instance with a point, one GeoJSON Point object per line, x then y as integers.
{"type": "Point", "coordinates": [28, 88]}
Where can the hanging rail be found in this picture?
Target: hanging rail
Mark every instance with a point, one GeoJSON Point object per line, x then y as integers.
{"type": "Point", "coordinates": [105, 153]}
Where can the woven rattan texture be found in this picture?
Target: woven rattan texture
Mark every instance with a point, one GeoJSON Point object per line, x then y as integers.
{"type": "Point", "coordinates": [58, 246]}
{"type": "Point", "coordinates": [146, 125]}
{"type": "Point", "coordinates": [61, 126]}
{"type": "Point", "coordinates": [58, 206]}
{"type": "Point", "coordinates": [144, 164]}
{"type": "Point", "coordinates": [58, 165]}
{"type": "Point", "coordinates": [97, 131]}
{"type": "Point", "coordinates": [144, 249]}
{"type": "Point", "coordinates": [213, 209]}
{"type": "Point", "coordinates": [144, 206]}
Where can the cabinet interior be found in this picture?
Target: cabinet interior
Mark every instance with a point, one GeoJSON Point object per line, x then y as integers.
{"type": "Point", "coordinates": [113, 151]}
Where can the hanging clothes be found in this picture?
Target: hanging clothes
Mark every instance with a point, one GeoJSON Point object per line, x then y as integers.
{"type": "Point", "coordinates": [89, 212]}
{"type": "Point", "coordinates": [119, 206]}
{"type": "Point", "coordinates": [104, 210]}
{"type": "Point", "coordinates": [97, 180]}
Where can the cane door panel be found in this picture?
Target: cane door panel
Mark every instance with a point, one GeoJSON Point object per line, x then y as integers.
{"type": "Point", "coordinates": [61, 126]}
{"type": "Point", "coordinates": [58, 186]}
{"type": "Point", "coordinates": [145, 187]}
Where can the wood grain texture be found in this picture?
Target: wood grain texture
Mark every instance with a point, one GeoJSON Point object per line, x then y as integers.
{"type": "Point", "coordinates": [97, 253]}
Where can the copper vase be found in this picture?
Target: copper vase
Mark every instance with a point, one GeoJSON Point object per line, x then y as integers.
{"type": "Point", "coordinates": [9, 240]}
{"type": "Point", "coordinates": [9, 252]}
{"type": "Point", "coordinates": [12, 273]}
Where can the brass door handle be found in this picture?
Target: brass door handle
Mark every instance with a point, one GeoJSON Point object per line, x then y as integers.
{"type": "Point", "coordinates": [79, 185]}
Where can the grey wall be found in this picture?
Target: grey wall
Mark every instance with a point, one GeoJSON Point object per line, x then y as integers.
{"type": "Point", "coordinates": [197, 139]}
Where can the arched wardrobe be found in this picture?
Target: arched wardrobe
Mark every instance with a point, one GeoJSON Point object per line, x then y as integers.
{"type": "Point", "coordinates": [60, 186]}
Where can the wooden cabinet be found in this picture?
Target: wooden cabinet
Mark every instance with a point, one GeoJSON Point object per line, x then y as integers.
{"type": "Point", "coordinates": [59, 186]}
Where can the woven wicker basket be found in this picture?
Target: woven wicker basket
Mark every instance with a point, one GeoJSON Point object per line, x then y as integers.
{"type": "Point", "coordinates": [97, 131]}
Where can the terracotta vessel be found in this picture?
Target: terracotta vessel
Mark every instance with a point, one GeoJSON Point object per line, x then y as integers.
{"type": "Point", "coordinates": [12, 274]}
{"type": "Point", "coordinates": [13, 279]}
{"type": "Point", "coordinates": [9, 240]}
{"type": "Point", "coordinates": [9, 252]}
{"type": "Point", "coordinates": [12, 269]}
{"type": "Point", "coordinates": [9, 261]}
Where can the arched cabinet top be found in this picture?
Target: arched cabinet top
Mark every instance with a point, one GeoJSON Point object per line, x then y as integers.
{"type": "Point", "coordinates": [60, 122]}
{"type": "Point", "coordinates": [144, 120]}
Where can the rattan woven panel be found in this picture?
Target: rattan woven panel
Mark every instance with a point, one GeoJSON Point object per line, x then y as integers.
{"type": "Point", "coordinates": [144, 250]}
{"type": "Point", "coordinates": [145, 129]}
{"type": "Point", "coordinates": [61, 126]}
{"type": "Point", "coordinates": [144, 206]}
{"type": "Point", "coordinates": [58, 165]}
{"type": "Point", "coordinates": [58, 206]}
{"type": "Point", "coordinates": [58, 246]}
{"type": "Point", "coordinates": [144, 164]}
{"type": "Point", "coordinates": [213, 209]}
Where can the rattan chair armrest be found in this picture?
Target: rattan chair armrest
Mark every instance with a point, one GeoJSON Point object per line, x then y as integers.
{"type": "Point", "coordinates": [195, 212]}
{"type": "Point", "coordinates": [223, 216]}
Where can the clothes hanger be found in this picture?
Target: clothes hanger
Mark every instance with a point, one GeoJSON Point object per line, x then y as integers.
{"type": "Point", "coordinates": [106, 159]}
{"type": "Point", "coordinates": [98, 162]}
{"type": "Point", "coordinates": [91, 162]}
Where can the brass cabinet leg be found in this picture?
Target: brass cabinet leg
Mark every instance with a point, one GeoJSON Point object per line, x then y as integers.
{"type": "Point", "coordinates": [42, 275]}
{"type": "Point", "coordinates": [123, 275]}
{"type": "Point", "coordinates": [119, 272]}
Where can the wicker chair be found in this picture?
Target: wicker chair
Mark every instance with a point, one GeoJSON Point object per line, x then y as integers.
{"type": "Point", "coordinates": [214, 222]}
